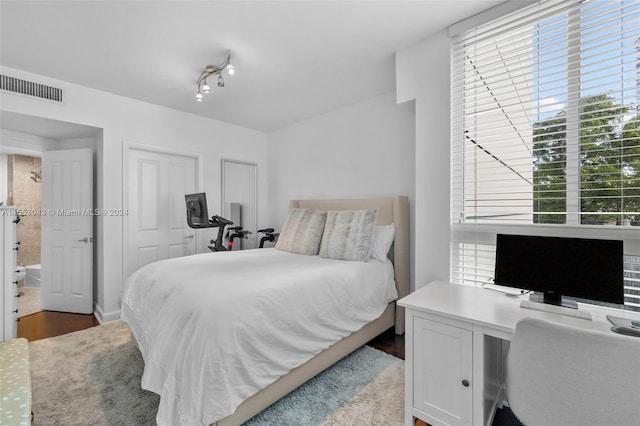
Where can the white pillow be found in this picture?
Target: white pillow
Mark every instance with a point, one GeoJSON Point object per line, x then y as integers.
{"type": "Point", "coordinates": [382, 240]}
{"type": "Point", "coordinates": [302, 231]}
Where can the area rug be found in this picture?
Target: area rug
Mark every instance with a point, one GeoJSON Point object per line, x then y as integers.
{"type": "Point", "coordinates": [92, 377]}
{"type": "Point", "coordinates": [29, 301]}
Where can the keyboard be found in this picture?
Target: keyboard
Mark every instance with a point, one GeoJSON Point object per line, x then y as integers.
{"type": "Point", "coordinates": [554, 309]}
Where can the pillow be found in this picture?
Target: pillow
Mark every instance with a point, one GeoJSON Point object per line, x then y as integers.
{"type": "Point", "coordinates": [348, 234]}
{"type": "Point", "coordinates": [382, 240]}
{"type": "Point", "coordinates": [302, 231]}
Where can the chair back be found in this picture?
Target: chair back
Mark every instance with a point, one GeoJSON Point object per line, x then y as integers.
{"type": "Point", "coordinates": [562, 375]}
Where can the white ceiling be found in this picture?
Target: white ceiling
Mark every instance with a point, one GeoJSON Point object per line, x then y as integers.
{"type": "Point", "coordinates": [294, 59]}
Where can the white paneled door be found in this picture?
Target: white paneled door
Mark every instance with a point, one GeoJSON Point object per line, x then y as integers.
{"type": "Point", "coordinates": [67, 231]}
{"type": "Point", "coordinates": [156, 224]}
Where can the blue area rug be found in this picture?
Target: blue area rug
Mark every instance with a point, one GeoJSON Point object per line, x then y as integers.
{"type": "Point", "coordinates": [315, 400]}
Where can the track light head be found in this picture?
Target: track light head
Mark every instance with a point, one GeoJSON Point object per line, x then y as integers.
{"type": "Point", "coordinates": [199, 97]}
{"type": "Point", "coordinates": [220, 81]}
{"type": "Point", "coordinates": [205, 87]}
{"type": "Point", "coordinates": [231, 69]}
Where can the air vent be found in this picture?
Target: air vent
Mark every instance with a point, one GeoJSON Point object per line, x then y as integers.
{"type": "Point", "coordinates": [30, 88]}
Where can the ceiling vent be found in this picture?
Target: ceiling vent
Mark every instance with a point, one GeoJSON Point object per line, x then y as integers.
{"type": "Point", "coordinates": [30, 88]}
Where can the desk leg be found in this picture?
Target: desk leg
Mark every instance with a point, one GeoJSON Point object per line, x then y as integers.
{"type": "Point", "coordinates": [478, 376]}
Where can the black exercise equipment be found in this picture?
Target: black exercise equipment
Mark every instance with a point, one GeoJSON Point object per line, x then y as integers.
{"type": "Point", "coordinates": [269, 235]}
{"type": "Point", "coordinates": [198, 218]}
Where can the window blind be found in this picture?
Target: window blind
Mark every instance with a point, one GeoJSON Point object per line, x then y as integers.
{"type": "Point", "coordinates": [546, 129]}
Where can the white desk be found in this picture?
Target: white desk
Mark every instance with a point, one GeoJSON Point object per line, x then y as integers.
{"type": "Point", "coordinates": [456, 340]}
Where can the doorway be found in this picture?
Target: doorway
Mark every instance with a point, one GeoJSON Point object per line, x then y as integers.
{"type": "Point", "coordinates": [28, 137]}
{"type": "Point", "coordinates": [24, 191]}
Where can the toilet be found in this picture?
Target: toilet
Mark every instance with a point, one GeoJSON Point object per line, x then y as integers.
{"type": "Point", "coordinates": [21, 272]}
{"type": "Point", "coordinates": [32, 277]}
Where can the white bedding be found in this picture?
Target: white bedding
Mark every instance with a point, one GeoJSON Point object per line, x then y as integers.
{"type": "Point", "coordinates": [215, 328]}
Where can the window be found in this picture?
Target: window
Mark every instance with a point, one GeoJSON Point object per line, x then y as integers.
{"type": "Point", "coordinates": [546, 131]}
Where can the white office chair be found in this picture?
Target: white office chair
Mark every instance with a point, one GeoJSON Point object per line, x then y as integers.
{"type": "Point", "coordinates": [562, 375]}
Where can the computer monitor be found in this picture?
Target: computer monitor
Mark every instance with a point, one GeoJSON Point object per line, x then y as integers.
{"type": "Point", "coordinates": [556, 267]}
{"type": "Point", "coordinates": [197, 213]}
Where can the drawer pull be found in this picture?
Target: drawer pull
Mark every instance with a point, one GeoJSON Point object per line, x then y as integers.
{"type": "Point", "coordinates": [15, 312]}
{"type": "Point", "coordinates": [465, 383]}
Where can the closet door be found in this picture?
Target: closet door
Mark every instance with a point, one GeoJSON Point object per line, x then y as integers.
{"type": "Point", "coordinates": [156, 222]}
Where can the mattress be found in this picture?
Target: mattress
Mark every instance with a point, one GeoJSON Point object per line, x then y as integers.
{"type": "Point", "coordinates": [215, 328]}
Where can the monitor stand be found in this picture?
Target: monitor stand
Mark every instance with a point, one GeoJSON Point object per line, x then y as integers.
{"type": "Point", "coordinates": [553, 299]}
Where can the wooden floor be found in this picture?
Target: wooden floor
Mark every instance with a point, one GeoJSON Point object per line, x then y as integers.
{"type": "Point", "coordinates": [45, 324]}
{"type": "Point", "coordinates": [50, 324]}
{"type": "Point", "coordinates": [390, 343]}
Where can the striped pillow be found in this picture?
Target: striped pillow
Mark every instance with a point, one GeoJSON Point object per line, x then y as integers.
{"type": "Point", "coordinates": [302, 231]}
{"type": "Point", "coordinates": [348, 234]}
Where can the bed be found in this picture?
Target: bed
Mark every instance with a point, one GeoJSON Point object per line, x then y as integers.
{"type": "Point", "coordinates": [229, 379]}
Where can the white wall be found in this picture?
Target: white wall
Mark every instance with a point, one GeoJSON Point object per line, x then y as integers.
{"type": "Point", "coordinates": [78, 143]}
{"type": "Point", "coordinates": [12, 142]}
{"type": "Point", "coordinates": [423, 75]}
{"type": "Point", "coordinates": [362, 150]}
{"type": "Point", "coordinates": [3, 178]}
{"type": "Point", "coordinates": [126, 120]}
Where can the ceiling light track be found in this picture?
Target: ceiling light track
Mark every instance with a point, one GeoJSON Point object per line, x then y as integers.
{"type": "Point", "coordinates": [211, 70]}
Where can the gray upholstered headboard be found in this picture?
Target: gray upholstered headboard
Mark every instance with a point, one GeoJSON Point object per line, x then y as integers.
{"type": "Point", "coordinates": [390, 210]}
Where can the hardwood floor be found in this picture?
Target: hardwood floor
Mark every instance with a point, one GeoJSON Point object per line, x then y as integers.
{"type": "Point", "coordinates": [45, 324]}
{"type": "Point", "coordinates": [390, 343]}
{"type": "Point", "coordinates": [50, 324]}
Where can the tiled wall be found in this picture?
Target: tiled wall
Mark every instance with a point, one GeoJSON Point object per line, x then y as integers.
{"type": "Point", "coordinates": [25, 194]}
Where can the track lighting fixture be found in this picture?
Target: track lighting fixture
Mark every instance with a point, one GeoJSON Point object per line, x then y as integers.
{"type": "Point", "coordinates": [203, 86]}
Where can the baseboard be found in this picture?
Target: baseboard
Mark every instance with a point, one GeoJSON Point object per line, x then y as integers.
{"type": "Point", "coordinates": [105, 317]}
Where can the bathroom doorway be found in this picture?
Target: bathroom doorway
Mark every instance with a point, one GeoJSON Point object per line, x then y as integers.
{"type": "Point", "coordinates": [24, 191]}
{"type": "Point", "coordinates": [27, 138]}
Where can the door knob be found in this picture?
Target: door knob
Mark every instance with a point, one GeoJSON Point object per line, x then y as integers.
{"type": "Point", "coordinates": [86, 240]}
{"type": "Point", "coordinates": [465, 383]}
{"type": "Point", "coordinates": [189, 236]}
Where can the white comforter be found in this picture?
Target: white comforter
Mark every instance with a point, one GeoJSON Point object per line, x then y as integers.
{"type": "Point", "coordinates": [216, 328]}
